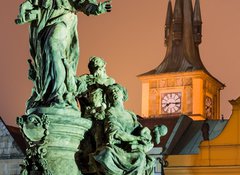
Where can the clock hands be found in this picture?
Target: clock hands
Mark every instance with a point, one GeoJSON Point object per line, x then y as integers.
{"type": "Point", "coordinates": [167, 104]}
{"type": "Point", "coordinates": [171, 102]}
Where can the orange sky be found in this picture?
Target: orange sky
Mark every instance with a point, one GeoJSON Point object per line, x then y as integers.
{"type": "Point", "coordinates": [130, 39]}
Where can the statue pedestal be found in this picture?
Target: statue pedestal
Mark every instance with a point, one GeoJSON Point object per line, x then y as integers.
{"type": "Point", "coordinates": [53, 136]}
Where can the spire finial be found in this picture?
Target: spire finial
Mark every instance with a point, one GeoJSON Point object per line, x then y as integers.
{"type": "Point", "coordinates": [178, 20]}
{"type": "Point", "coordinates": [168, 22]}
{"type": "Point", "coordinates": [197, 23]}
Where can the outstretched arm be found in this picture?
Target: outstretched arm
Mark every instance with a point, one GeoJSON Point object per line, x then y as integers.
{"type": "Point", "coordinates": [92, 7]}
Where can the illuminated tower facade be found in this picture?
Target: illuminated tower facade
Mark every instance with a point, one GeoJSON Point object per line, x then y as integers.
{"type": "Point", "coordinates": [181, 84]}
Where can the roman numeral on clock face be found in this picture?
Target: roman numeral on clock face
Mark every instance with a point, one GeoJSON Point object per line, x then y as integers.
{"type": "Point", "coordinates": [171, 102]}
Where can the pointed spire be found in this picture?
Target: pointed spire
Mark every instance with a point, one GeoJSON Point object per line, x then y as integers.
{"type": "Point", "coordinates": [182, 39]}
{"type": "Point", "coordinates": [178, 20]}
{"type": "Point", "coordinates": [188, 41]}
{"type": "Point", "coordinates": [197, 12]}
{"type": "Point", "coordinates": [197, 23]}
{"type": "Point", "coordinates": [178, 11]}
{"type": "Point", "coordinates": [168, 22]}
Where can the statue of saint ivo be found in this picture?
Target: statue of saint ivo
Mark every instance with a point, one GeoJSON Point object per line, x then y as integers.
{"type": "Point", "coordinates": [54, 48]}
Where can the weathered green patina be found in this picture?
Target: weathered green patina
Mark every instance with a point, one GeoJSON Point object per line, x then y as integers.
{"type": "Point", "coordinates": [97, 78]}
{"type": "Point", "coordinates": [116, 144]}
{"type": "Point", "coordinates": [126, 140]}
{"type": "Point", "coordinates": [53, 136]}
{"type": "Point", "coordinates": [53, 126]}
{"type": "Point", "coordinates": [111, 140]}
{"type": "Point", "coordinates": [54, 47]}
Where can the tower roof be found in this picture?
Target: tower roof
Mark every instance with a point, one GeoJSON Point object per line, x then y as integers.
{"type": "Point", "coordinates": [182, 37]}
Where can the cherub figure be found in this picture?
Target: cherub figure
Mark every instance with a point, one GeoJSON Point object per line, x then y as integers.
{"type": "Point", "coordinates": [96, 110]}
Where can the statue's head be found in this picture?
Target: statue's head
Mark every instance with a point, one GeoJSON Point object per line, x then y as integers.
{"type": "Point", "coordinates": [116, 92]}
{"type": "Point", "coordinates": [96, 64]}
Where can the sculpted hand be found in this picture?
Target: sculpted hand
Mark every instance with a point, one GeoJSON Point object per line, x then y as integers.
{"type": "Point", "coordinates": [104, 7]}
{"type": "Point", "coordinates": [27, 13]}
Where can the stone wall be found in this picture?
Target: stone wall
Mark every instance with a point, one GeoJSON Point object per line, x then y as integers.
{"type": "Point", "coordinates": [10, 153]}
{"type": "Point", "coordinates": [10, 166]}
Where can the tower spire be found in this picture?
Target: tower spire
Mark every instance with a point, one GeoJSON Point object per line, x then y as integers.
{"type": "Point", "coordinates": [189, 48]}
{"type": "Point", "coordinates": [168, 22]}
{"type": "Point", "coordinates": [197, 23]}
{"type": "Point", "coordinates": [178, 20]}
{"type": "Point", "coordinates": [182, 36]}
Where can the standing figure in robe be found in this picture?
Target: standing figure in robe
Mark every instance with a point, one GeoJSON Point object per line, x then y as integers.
{"type": "Point", "coordinates": [54, 47]}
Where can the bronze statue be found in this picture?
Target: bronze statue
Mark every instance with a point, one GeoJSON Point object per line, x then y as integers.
{"type": "Point", "coordinates": [53, 43]}
{"type": "Point", "coordinates": [127, 141]}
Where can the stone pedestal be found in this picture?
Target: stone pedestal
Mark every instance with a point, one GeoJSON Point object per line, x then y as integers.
{"type": "Point", "coordinates": [53, 136]}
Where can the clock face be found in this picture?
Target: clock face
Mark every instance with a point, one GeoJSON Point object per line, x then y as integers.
{"type": "Point", "coordinates": [171, 102]}
{"type": "Point", "coordinates": [209, 107]}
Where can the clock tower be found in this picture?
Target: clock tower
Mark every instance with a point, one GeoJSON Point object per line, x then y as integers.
{"type": "Point", "coordinates": [181, 84]}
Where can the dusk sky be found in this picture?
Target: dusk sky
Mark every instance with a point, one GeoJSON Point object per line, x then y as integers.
{"type": "Point", "coordinates": [131, 40]}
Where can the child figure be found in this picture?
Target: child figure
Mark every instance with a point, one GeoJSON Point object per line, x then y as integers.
{"type": "Point", "coordinates": [96, 110]}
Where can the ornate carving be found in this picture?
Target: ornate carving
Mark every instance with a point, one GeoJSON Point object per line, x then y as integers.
{"type": "Point", "coordinates": [171, 82]}
{"type": "Point", "coordinates": [179, 81]}
{"type": "Point", "coordinates": [187, 81]}
{"type": "Point", "coordinates": [35, 130]}
{"type": "Point", "coordinates": [162, 83]}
